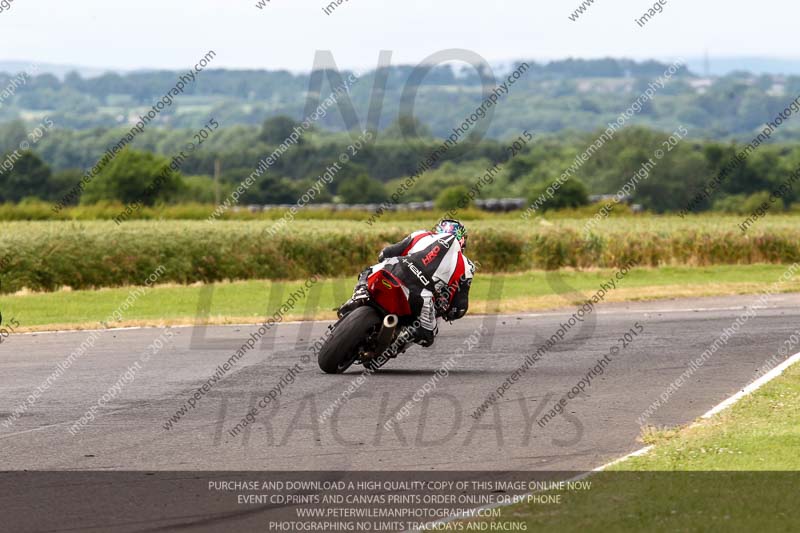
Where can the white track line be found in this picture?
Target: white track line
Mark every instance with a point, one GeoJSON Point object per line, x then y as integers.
{"type": "Point", "coordinates": [637, 453]}
{"type": "Point", "coordinates": [472, 513]}
{"type": "Point", "coordinates": [752, 387]}
{"type": "Point", "coordinates": [757, 384]}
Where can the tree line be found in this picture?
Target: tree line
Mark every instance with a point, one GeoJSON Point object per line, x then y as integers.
{"type": "Point", "coordinates": [60, 159]}
{"type": "Point", "coordinates": [562, 95]}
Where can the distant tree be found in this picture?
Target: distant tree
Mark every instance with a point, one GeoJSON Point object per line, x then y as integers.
{"type": "Point", "coordinates": [199, 189]}
{"type": "Point", "coordinates": [406, 126]}
{"type": "Point", "coordinates": [235, 175]}
{"type": "Point", "coordinates": [27, 177]}
{"type": "Point", "coordinates": [571, 193]}
{"type": "Point", "coordinates": [362, 189]}
{"type": "Point", "coordinates": [73, 80]}
{"type": "Point", "coordinates": [11, 135]}
{"type": "Point", "coordinates": [275, 130]}
{"type": "Point", "coordinates": [743, 204]}
{"type": "Point", "coordinates": [454, 197]}
{"type": "Point", "coordinates": [670, 187]}
{"type": "Point", "coordinates": [271, 189]}
{"type": "Point", "coordinates": [346, 173]}
{"type": "Point", "coordinates": [134, 176]}
{"type": "Point", "coordinates": [60, 184]}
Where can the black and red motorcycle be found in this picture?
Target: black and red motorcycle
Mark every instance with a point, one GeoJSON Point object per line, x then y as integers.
{"type": "Point", "coordinates": [372, 333]}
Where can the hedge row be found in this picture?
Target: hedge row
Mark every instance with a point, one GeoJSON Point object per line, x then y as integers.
{"type": "Point", "coordinates": [51, 255]}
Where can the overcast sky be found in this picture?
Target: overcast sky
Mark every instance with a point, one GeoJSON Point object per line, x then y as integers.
{"type": "Point", "coordinates": [175, 33]}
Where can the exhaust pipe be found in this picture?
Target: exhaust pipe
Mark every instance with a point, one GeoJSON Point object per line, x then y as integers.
{"type": "Point", "coordinates": [386, 334]}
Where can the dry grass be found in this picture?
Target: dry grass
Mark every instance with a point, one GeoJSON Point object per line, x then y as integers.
{"type": "Point", "coordinates": [520, 304]}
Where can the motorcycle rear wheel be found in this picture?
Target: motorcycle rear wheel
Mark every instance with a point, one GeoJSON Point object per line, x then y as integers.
{"type": "Point", "coordinates": [348, 335]}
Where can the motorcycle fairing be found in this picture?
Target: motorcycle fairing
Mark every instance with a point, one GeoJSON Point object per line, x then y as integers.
{"type": "Point", "coordinates": [389, 293]}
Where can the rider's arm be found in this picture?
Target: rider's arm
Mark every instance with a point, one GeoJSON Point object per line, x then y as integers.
{"type": "Point", "coordinates": [398, 249]}
{"type": "Point", "coordinates": [460, 304]}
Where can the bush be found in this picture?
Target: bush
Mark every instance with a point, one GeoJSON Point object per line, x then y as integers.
{"type": "Point", "coordinates": [28, 177]}
{"type": "Point", "coordinates": [134, 177]}
{"type": "Point", "coordinates": [362, 189]}
{"type": "Point", "coordinates": [742, 204]}
{"type": "Point", "coordinates": [571, 193]}
{"type": "Point", "coordinates": [276, 130]}
{"type": "Point", "coordinates": [200, 189]}
{"type": "Point", "coordinates": [455, 197]}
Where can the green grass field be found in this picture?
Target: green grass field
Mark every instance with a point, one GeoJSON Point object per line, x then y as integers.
{"type": "Point", "coordinates": [732, 472]}
{"type": "Point", "coordinates": [251, 301]}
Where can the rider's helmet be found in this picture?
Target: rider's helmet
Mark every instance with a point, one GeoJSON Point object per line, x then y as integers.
{"type": "Point", "coordinates": [455, 228]}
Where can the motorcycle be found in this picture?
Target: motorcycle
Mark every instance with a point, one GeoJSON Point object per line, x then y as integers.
{"type": "Point", "coordinates": [372, 333]}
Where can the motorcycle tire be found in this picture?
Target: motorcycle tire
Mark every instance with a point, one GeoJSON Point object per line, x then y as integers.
{"type": "Point", "coordinates": [341, 349]}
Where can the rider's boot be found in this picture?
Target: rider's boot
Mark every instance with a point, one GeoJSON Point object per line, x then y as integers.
{"type": "Point", "coordinates": [423, 337]}
{"type": "Point", "coordinates": [360, 296]}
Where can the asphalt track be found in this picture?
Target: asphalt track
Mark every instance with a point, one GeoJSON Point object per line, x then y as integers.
{"type": "Point", "coordinates": [438, 434]}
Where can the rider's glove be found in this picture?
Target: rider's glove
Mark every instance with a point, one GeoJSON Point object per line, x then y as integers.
{"type": "Point", "coordinates": [454, 314]}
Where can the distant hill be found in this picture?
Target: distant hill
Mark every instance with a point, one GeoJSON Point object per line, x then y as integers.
{"type": "Point", "coordinates": [57, 70]}
{"type": "Point", "coordinates": [721, 66]}
{"type": "Point", "coordinates": [566, 95]}
{"type": "Point", "coordinates": [717, 66]}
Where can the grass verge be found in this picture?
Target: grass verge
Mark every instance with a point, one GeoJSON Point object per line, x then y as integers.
{"type": "Point", "coordinates": [736, 471]}
{"type": "Point", "coordinates": [251, 301]}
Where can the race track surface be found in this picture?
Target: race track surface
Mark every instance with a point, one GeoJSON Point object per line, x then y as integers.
{"type": "Point", "coordinates": [439, 432]}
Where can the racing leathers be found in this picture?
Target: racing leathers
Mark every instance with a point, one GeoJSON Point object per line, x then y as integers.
{"type": "Point", "coordinates": [437, 274]}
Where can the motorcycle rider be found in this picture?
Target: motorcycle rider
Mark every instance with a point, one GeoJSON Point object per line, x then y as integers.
{"type": "Point", "coordinates": [431, 264]}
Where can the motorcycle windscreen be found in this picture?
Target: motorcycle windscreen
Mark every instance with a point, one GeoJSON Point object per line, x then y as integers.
{"type": "Point", "coordinates": [389, 293]}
